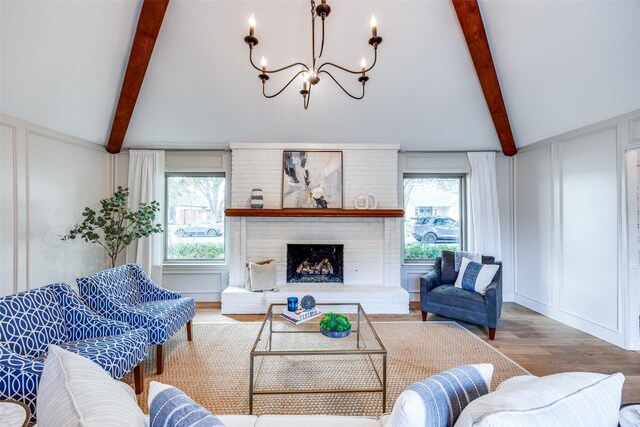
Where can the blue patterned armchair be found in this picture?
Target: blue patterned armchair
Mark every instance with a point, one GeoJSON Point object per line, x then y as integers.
{"type": "Point", "coordinates": [53, 314]}
{"type": "Point", "coordinates": [127, 294]}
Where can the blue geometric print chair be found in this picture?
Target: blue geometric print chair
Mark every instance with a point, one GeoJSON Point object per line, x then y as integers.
{"type": "Point", "coordinates": [53, 314]}
{"type": "Point", "coordinates": [439, 296]}
{"type": "Point", "coordinates": [127, 294]}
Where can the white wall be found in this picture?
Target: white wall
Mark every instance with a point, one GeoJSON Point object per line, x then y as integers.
{"type": "Point", "coordinates": [46, 180]}
{"type": "Point", "coordinates": [570, 199]}
{"type": "Point", "coordinates": [416, 162]}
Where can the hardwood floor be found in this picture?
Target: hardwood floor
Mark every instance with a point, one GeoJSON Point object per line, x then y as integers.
{"type": "Point", "coordinates": [541, 345]}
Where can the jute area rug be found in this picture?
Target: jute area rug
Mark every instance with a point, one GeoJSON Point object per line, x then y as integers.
{"type": "Point", "coordinates": [213, 369]}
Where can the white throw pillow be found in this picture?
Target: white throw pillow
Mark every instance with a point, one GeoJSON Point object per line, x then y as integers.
{"type": "Point", "coordinates": [438, 400]}
{"type": "Point", "coordinates": [74, 391]}
{"type": "Point", "coordinates": [567, 399]}
{"type": "Point", "coordinates": [263, 276]}
{"type": "Point", "coordinates": [474, 276]}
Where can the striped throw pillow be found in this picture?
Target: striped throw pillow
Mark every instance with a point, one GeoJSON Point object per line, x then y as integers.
{"type": "Point", "coordinates": [474, 276]}
{"type": "Point", "coordinates": [566, 399]}
{"type": "Point", "coordinates": [439, 400]}
{"type": "Point", "coordinates": [171, 407]}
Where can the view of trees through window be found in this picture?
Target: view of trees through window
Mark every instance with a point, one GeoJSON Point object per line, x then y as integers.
{"type": "Point", "coordinates": [195, 217]}
{"type": "Point", "coordinates": [432, 215]}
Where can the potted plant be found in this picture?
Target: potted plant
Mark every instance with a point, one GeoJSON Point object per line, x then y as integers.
{"type": "Point", "coordinates": [335, 325]}
{"type": "Point", "coordinates": [116, 226]}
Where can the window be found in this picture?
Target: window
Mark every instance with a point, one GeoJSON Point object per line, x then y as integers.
{"type": "Point", "coordinates": [195, 216]}
{"type": "Point", "coordinates": [433, 215]}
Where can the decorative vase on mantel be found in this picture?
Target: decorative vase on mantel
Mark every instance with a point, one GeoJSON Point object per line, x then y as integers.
{"type": "Point", "coordinates": [257, 201]}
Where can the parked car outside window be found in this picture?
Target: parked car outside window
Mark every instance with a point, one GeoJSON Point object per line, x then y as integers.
{"type": "Point", "coordinates": [435, 229]}
{"type": "Point", "coordinates": [200, 228]}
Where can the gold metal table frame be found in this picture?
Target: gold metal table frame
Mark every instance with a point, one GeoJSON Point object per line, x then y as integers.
{"type": "Point", "coordinates": [264, 347]}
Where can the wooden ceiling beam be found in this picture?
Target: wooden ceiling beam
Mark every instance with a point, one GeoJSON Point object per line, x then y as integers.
{"type": "Point", "coordinates": [149, 23]}
{"type": "Point", "coordinates": [474, 33]}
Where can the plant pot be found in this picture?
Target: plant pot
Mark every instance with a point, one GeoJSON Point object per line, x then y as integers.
{"type": "Point", "coordinates": [335, 334]}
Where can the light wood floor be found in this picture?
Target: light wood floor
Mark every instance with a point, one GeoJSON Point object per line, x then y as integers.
{"type": "Point", "coordinates": [541, 345]}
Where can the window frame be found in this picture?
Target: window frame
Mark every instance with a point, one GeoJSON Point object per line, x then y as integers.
{"type": "Point", "coordinates": [463, 177]}
{"type": "Point", "coordinates": [185, 261]}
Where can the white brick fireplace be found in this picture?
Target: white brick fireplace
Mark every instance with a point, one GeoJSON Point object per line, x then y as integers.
{"type": "Point", "coordinates": [371, 245]}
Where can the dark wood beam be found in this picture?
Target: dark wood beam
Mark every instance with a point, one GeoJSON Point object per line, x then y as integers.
{"type": "Point", "coordinates": [147, 31]}
{"type": "Point", "coordinates": [471, 23]}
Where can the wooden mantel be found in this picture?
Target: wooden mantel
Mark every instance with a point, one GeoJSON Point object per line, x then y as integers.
{"type": "Point", "coordinates": [323, 213]}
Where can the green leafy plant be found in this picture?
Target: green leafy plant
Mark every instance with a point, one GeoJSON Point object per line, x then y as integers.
{"type": "Point", "coordinates": [115, 226]}
{"type": "Point", "coordinates": [335, 322]}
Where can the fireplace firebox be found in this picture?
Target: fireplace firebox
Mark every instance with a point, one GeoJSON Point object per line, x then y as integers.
{"type": "Point", "coordinates": [315, 264]}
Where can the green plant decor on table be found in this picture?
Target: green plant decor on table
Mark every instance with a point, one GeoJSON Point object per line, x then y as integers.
{"type": "Point", "coordinates": [116, 226]}
{"type": "Point", "coordinates": [335, 325]}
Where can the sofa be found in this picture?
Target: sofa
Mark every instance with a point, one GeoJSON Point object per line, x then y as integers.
{"type": "Point", "coordinates": [30, 321]}
{"type": "Point", "coordinates": [460, 396]}
{"type": "Point", "coordinates": [127, 294]}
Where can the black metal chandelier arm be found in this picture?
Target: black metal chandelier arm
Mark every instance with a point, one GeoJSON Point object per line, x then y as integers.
{"type": "Point", "coordinates": [375, 59]}
{"type": "Point", "coordinates": [307, 99]}
{"type": "Point", "coordinates": [341, 87]}
{"type": "Point", "coordinates": [274, 71]}
{"type": "Point", "coordinates": [322, 42]}
{"type": "Point", "coordinates": [281, 90]}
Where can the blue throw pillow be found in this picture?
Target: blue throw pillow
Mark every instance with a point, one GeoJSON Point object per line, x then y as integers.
{"type": "Point", "coordinates": [475, 277]}
{"type": "Point", "coordinates": [438, 400]}
{"type": "Point", "coordinates": [171, 407]}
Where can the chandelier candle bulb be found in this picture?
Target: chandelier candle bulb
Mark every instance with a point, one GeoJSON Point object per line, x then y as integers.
{"type": "Point", "coordinates": [263, 62]}
{"type": "Point", "coordinates": [374, 27]}
{"type": "Point", "coordinates": [363, 66]}
{"type": "Point", "coordinates": [252, 24]}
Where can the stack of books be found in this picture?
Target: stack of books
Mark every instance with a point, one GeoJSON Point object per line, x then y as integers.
{"type": "Point", "coordinates": [300, 315]}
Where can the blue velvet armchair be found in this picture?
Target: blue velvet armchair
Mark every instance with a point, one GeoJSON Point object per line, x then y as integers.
{"type": "Point", "coordinates": [127, 294]}
{"type": "Point", "coordinates": [53, 314]}
{"type": "Point", "coordinates": [439, 296]}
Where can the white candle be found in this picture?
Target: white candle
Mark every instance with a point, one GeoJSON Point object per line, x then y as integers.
{"type": "Point", "coordinates": [252, 24]}
{"type": "Point", "coordinates": [374, 27]}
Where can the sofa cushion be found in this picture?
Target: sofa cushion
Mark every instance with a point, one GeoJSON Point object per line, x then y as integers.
{"type": "Point", "coordinates": [316, 421]}
{"type": "Point", "coordinates": [30, 321]}
{"type": "Point", "coordinates": [238, 420]}
{"type": "Point", "coordinates": [439, 400]}
{"type": "Point", "coordinates": [567, 399]}
{"type": "Point", "coordinates": [74, 391]}
{"type": "Point", "coordinates": [448, 273]}
{"type": "Point", "coordinates": [451, 296]}
{"type": "Point", "coordinates": [120, 283]}
{"type": "Point", "coordinates": [474, 276]}
{"type": "Point", "coordinates": [166, 317]}
{"type": "Point", "coordinates": [171, 407]}
{"type": "Point", "coordinates": [116, 354]}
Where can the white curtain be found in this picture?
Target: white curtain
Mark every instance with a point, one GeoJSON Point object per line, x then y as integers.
{"type": "Point", "coordinates": [146, 183]}
{"type": "Point", "coordinates": [484, 204]}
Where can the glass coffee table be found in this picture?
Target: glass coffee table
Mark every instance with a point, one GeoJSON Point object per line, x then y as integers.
{"type": "Point", "coordinates": [298, 359]}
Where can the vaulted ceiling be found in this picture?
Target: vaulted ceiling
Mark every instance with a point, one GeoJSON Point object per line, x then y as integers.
{"type": "Point", "coordinates": [561, 65]}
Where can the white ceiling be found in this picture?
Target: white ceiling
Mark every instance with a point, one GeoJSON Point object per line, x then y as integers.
{"type": "Point", "coordinates": [561, 64]}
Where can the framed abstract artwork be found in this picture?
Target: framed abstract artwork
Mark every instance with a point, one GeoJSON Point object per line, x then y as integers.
{"type": "Point", "coordinates": [312, 179]}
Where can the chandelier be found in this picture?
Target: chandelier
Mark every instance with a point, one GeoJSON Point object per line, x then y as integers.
{"type": "Point", "coordinates": [311, 73]}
